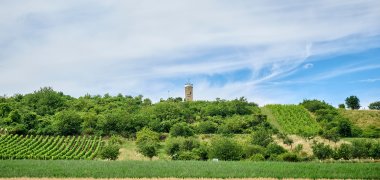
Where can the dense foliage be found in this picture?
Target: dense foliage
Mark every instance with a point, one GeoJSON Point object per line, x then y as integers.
{"type": "Point", "coordinates": [47, 112]}
{"type": "Point", "coordinates": [374, 105]}
{"type": "Point", "coordinates": [353, 102]}
{"type": "Point", "coordinates": [333, 124]}
{"type": "Point", "coordinates": [49, 147]}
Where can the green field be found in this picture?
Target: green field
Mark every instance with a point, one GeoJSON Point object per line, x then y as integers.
{"type": "Point", "coordinates": [292, 119]}
{"type": "Point", "coordinates": [184, 169]}
{"type": "Point", "coordinates": [49, 147]}
{"type": "Point", "coordinates": [362, 118]}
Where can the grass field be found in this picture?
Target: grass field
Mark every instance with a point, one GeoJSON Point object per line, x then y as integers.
{"type": "Point", "coordinates": [362, 118]}
{"type": "Point", "coordinates": [185, 169]}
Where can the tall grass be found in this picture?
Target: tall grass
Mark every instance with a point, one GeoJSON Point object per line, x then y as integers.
{"type": "Point", "coordinates": [186, 169]}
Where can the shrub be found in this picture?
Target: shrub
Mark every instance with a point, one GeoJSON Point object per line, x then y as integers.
{"type": "Point", "coordinates": [360, 148]}
{"type": "Point", "coordinates": [257, 157]}
{"type": "Point", "coordinates": [225, 149]}
{"type": "Point", "coordinates": [322, 151]}
{"type": "Point", "coordinates": [375, 150]}
{"type": "Point", "coordinates": [187, 155]}
{"type": "Point", "coordinates": [314, 105]}
{"type": "Point", "coordinates": [148, 148]}
{"type": "Point", "coordinates": [147, 142]}
{"type": "Point", "coordinates": [344, 151]}
{"type": "Point", "coordinates": [291, 157]}
{"type": "Point", "coordinates": [206, 127]}
{"type": "Point", "coordinates": [173, 146]}
{"type": "Point", "coordinates": [181, 129]}
{"type": "Point", "coordinates": [201, 151]}
{"type": "Point", "coordinates": [110, 152]}
{"type": "Point", "coordinates": [262, 137]}
{"type": "Point", "coordinates": [189, 144]}
{"type": "Point", "coordinates": [273, 148]}
{"type": "Point", "coordinates": [298, 148]}
{"type": "Point", "coordinates": [250, 150]}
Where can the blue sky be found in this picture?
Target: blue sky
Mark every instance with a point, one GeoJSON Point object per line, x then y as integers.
{"type": "Point", "coordinates": [267, 51]}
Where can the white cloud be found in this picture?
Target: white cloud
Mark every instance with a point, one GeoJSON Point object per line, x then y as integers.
{"type": "Point", "coordinates": [139, 47]}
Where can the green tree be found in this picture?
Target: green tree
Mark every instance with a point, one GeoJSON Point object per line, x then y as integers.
{"type": "Point", "coordinates": [111, 151]}
{"type": "Point", "coordinates": [262, 137]}
{"type": "Point", "coordinates": [353, 102]}
{"type": "Point", "coordinates": [342, 106]}
{"type": "Point", "coordinates": [374, 105]}
{"type": "Point", "coordinates": [322, 151]}
{"type": "Point", "coordinates": [288, 141]}
{"type": "Point", "coordinates": [345, 128]}
{"type": "Point", "coordinates": [345, 151]}
{"type": "Point", "coordinates": [67, 123]}
{"type": "Point", "coordinates": [181, 129]}
{"type": "Point", "coordinates": [147, 142]}
{"type": "Point", "coordinates": [225, 149]}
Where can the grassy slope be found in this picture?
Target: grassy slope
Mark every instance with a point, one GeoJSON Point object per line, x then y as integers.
{"type": "Point", "coordinates": [298, 119]}
{"type": "Point", "coordinates": [181, 169]}
{"type": "Point", "coordinates": [362, 118]}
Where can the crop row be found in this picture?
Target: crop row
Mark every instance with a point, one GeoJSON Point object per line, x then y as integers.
{"type": "Point", "coordinates": [49, 147]}
{"type": "Point", "coordinates": [294, 119]}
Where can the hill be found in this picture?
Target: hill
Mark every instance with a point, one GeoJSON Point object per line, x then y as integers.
{"type": "Point", "coordinates": [362, 118]}
{"type": "Point", "coordinates": [291, 119]}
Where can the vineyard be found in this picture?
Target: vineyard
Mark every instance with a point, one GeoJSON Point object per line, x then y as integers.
{"type": "Point", "coordinates": [49, 147]}
{"type": "Point", "coordinates": [294, 119]}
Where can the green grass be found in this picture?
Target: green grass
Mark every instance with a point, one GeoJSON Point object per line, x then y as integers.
{"type": "Point", "coordinates": [362, 118]}
{"type": "Point", "coordinates": [292, 119]}
{"type": "Point", "coordinates": [184, 169]}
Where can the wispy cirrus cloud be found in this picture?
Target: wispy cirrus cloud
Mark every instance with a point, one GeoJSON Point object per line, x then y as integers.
{"type": "Point", "coordinates": [149, 47]}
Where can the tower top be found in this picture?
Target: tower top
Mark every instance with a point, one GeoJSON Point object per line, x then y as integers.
{"type": "Point", "coordinates": [188, 85]}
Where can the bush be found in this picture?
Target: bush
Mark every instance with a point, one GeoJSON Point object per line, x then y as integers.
{"type": "Point", "coordinates": [360, 148]}
{"type": "Point", "coordinates": [147, 142]}
{"type": "Point", "coordinates": [181, 129]}
{"type": "Point", "coordinates": [187, 155]}
{"type": "Point", "coordinates": [176, 146]}
{"type": "Point", "coordinates": [291, 157]}
{"type": "Point", "coordinates": [225, 148]}
{"type": "Point", "coordinates": [257, 157]}
{"type": "Point", "coordinates": [148, 148]}
{"type": "Point", "coordinates": [314, 105]}
{"type": "Point", "coordinates": [262, 137]}
{"type": "Point", "coordinates": [110, 152]}
{"type": "Point", "coordinates": [322, 151]}
{"type": "Point", "coordinates": [344, 151]}
{"type": "Point", "coordinates": [298, 148]}
{"type": "Point", "coordinates": [250, 150]}
{"type": "Point", "coordinates": [273, 148]}
{"type": "Point", "coordinates": [206, 127]}
{"type": "Point", "coordinates": [201, 151]}
{"type": "Point", "coordinates": [375, 150]}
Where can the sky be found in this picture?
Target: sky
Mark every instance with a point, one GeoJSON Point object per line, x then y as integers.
{"type": "Point", "coordinates": [267, 51]}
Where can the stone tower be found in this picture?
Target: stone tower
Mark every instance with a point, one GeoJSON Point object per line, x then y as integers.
{"type": "Point", "coordinates": [188, 92]}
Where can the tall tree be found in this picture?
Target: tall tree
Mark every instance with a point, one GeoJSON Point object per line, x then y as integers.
{"type": "Point", "coordinates": [374, 105]}
{"type": "Point", "coordinates": [353, 102]}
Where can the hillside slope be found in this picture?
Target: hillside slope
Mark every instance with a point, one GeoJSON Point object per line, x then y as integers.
{"type": "Point", "coordinates": [291, 119]}
{"type": "Point", "coordinates": [362, 118]}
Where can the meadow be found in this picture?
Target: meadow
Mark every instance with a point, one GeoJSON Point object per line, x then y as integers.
{"type": "Point", "coordinates": [186, 169]}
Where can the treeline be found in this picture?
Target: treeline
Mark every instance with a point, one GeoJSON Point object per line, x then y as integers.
{"type": "Point", "coordinates": [334, 125]}
{"type": "Point", "coordinates": [48, 112]}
